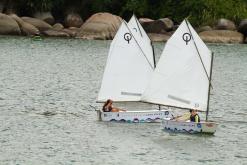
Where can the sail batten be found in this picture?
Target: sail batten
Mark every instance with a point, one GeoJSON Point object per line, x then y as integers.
{"type": "Point", "coordinates": [179, 79]}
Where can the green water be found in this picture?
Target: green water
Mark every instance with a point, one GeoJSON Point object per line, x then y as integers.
{"type": "Point", "coordinates": [63, 76]}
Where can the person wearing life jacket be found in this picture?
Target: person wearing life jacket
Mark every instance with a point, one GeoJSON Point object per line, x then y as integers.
{"type": "Point", "coordinates": [194, 117]}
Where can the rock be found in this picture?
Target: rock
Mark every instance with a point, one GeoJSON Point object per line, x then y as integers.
{"type": "Point", "coordinates": [100, 26]}
{"type": "Point", "coordinates": [145, 20]}
{"type": "Point", "coordinates": [41, 25]}
{"type": "Point", "coordinates": [8, 25]}
{"type": "Point", "coordinates": [225, 24]}
{"type": "Point", "coordinates": [75, 29]}
{"type": "Point", "coordinates": [158, 26]}
{"type": "Point", "coordinates": [168, 24]}
{"type": "Point", "coordinates": [55, 33]}
{"type": "Point", "coordinates": [73, 20]}
{"type": "Point", "coordinates": [204, 28]}
{"type": "Point", "coordinates": [72, 33]}
{"type": "Point", "coordinates": [159, 37]}
{"type": "Point", "coordinates": [57, 26]}
{"type": "Point", "coordinates": [45, 16]}
{"type": "Point", "coordinates": [243, 27]}
{"type": "Point", "coordinates": [222, 36]}
{"type": "Point", "coordinates": [175, 27]}
{"type": "Point", "coordinates": [26, 28]}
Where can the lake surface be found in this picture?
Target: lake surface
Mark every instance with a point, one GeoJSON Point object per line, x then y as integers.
{"type": "Point", "coordinates": [46, 88]}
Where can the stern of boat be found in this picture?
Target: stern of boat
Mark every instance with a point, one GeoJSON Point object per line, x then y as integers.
{"type": "Point", "coordinates": [99, 113]}
{"type": "Point", "coordinates": [189, 127]}
{"type": "Point", "coordinates": [209, 127]}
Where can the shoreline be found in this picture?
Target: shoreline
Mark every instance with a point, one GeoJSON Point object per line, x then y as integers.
{"type": "Point", "coordinates": [98, 40]}
{"type": "Point", "coordinates": [103, 26]}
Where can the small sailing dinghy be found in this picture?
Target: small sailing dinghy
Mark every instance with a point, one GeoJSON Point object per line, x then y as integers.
{"type": "Point", "coordinates": [182, 79]}
{"type": "Point", "coordinates": [128, 69]}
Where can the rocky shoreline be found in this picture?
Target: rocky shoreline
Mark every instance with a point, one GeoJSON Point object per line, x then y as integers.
{"type": "Point", "coordinates": [103, 26]}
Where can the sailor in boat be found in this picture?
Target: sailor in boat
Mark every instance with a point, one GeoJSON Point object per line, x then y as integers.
{"type": "Point", "coordinates": [107, 107]}
{"type": "Point", "coordinates": [194, 117]}
{"type": "Point", "coordinates": [191, 116]}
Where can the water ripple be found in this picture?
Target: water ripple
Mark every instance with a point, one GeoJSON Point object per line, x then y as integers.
{"type": "Point", "coordinates": [47, 87]}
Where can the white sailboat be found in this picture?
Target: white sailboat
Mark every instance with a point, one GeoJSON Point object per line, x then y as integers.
{"type": "Point", "coordinates": [182, 79]}
{"type": "Point", "coordinates": [129, 67]}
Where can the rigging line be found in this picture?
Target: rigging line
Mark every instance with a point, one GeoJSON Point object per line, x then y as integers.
{"type": "Point", "coordinates": [198, 53]}
{"type": "Point", "coordinates": [137, 24]}
{"type": "Point", "coordinates": [153, 55]}
{"type": "Point", "coordinates": [139, 46]}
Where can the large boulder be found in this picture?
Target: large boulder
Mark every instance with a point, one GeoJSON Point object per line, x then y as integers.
{"type": "Point", "coordinates": [222, 36]}
{"type": "Point", "coordinates": [243, 27]}
{"type": "Point", "coordinates": [159, 37]}
{"type": "Point", "coordinates": [225, 24]}
{"type": "Point", "coordinates": [100, 26]}
{"type": "Point", "coordinates": [168, 24]}
{"type": "Point", "coordinates": [145, 20]}
{"type": "Point", "coordinates": [41, 25]}
{"type": "Point", "coordinates": [204, 28]}
{"type": "Point", "coordinates": [26, 28]}
{"type": "Point", "coordinates": [45, 16]}
{"type": "Point", "coordinates": [73, 20]}
{"type": "Point", "coordinates": [8, 25]}
{"type": "Point", "coordinates": [55, 33]}
{"type": "Point", "coordinates": [158, 26]}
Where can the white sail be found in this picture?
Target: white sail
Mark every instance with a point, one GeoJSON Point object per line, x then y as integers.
{"type": "Point", "coordinates": [181, 78]}
{"type": "Point", "coordinates": [127, 71]}
{"type": "Point", "coordinates": [142, 38]}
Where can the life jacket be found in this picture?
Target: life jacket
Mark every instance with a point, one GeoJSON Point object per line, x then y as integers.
{"type": "Point", "coordinates": [193, 118]}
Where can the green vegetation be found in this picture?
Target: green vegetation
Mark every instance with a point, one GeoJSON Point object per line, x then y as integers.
{"type": "Point", "coordinates": [199, 12]}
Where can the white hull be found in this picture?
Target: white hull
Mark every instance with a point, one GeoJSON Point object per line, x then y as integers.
{"type": "Point", "coordinates": [134, 116]}
{"type": "Point", "coordinates": [189, 127]}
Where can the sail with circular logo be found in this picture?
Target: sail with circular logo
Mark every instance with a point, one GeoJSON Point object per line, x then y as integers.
{"type": "Point", "coordinates": [128, 68]}
{"type": "Point", "coordinates": [182, 76]}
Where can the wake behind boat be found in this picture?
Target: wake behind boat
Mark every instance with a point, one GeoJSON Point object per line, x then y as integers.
{"type": "Point", "coordinates": [129, 67]}
{"type": "Point", "coordinates": [182, 79]}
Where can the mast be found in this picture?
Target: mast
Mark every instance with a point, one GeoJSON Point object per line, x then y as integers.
{"type": "Point", "coordinates": [154, 64]}
{"type": "Point", "coordinates": [211, 68]}
{"type": "Point", "coordinates": [153, 55]}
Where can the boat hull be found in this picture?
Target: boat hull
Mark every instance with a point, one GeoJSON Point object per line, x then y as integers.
{"type": "Point", "coordinates": [189, 127]}
{"type": "Point", "coordinates": [134, 116]}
